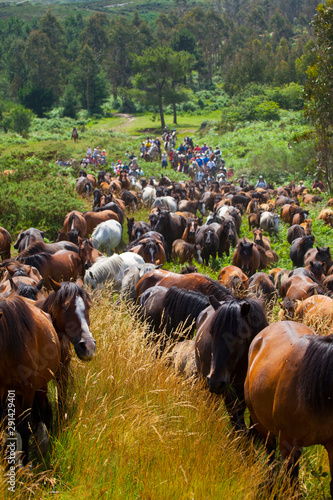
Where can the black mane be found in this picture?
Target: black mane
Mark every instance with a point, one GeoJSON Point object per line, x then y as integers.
{"type": "Point", "coordinates": [316, 375]}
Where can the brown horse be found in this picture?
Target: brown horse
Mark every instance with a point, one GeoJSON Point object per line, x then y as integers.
{"type": "Point", "coordinates": [74, 222]}
{"type": "Point", "coordinates": [5, 242]}
{"type": "Point", "coordinates": [23, 286]}
{"type": "Point", "coordinates": [61, 266]}
{"type": "Point", "coordinates": [190, 230]}
{"type": "Point", "coordinates": [29, 358]}
{"type": "Point", "coordinates": [75, 135]}
{"type": "Point", "coordinates": [224, 334]}
{"type": "Point", "coordinates": [232, 277]}
{"type": "Point", "coordinates": [299, 287]}
{"type": "Point", "coordinates": [192, 281]}
{"type": "Point", "coordinates": [151, 250]}
{"type": "Point", "coordinates": [69, 305]}
{"type": "Point", "coordinates": [322, 255]}
{"type": "Point", "coordinates": [94, 218]}
{"type": "Point", "coordinates": [316, 312]}
{"type": "Point", "coordinates": [246, 257]}
{"type": "Point", "coordinates": [288, 390]}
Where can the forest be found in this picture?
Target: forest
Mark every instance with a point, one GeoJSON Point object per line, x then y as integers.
{"type": "Point", "coordinates": [249, 60]}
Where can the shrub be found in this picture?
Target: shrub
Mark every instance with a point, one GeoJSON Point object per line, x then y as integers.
{"type": "Point", "coordinates": [266, 111]}
{"type": "Point", "coordinates": [39, 197]}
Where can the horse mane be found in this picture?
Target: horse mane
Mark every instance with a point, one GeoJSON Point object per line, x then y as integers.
{"type": "Point", "coordinates": [106, 266]}
{"type": "Point", "coordinates": [16, 322]}
{"type": "Point", "coordinates": [219, 291]}
{"type": "Point", "coordinates": [184, 305]}
{"type": "Point", "coordinates": [316, 375]}
{"type": "Point", "coordinates": [36, 260]}
{"type": "Point", "coordinates": [63, 297]}
{"type": "Point", "coordinates": [25, 290]}
{"type": "Point", "coordinates": [36, 247]}
{"type": "Point", "coordinates": [229, 321]}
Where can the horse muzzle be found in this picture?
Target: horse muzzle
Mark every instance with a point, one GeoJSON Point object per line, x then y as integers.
{"type": "Point", "coordinates": [85, 349]}
{"type": "Point", "coordinates": [218, 386]}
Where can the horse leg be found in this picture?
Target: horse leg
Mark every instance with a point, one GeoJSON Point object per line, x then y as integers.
{"type": "Point", "coordinates": [291, 452]}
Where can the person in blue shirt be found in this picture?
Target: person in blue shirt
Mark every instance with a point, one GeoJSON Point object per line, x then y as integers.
{"type": "Point", "coordinates": [261, 183]}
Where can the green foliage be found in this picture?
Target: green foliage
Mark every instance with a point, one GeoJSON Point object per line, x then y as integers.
{"type": "Point", "coordinates": [18, 119]}
{"type": "Point", "coordinates": [288, 96]}
{"type": "Point", "coordinates": [319, 90]}
{"type": "Point", "coordinates": [36, 195]}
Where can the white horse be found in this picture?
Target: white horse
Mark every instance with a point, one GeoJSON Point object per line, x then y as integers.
{"type": "Point", "coordinates": [110, 269]}
{"type": "Point", "coordinates": [167, 202]}
{"type": "Point", "coordinates": [153, 152]}
{"type": "Point", "coordinates": [107, 236]}
{"type": "Point", "coordinates": [131, 277]}
{"type": "Point", "coordinates": [148, 196]}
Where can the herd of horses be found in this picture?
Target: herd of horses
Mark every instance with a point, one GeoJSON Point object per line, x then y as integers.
{"type": "Point", "coordinates": [220, 330]}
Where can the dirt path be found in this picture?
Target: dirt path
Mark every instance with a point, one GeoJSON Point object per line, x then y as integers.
{"type": "Point", "coordinates": [125, 124]}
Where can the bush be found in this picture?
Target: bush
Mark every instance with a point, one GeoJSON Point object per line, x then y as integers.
{"type": "Point", "coordinates": [18, 119]}
{"type": "Point", "coordinates": [266, 111]}
{"type": "Point", "coordinates": [288, 97]}
{"type": "Point", "coordinates": [39, 197]}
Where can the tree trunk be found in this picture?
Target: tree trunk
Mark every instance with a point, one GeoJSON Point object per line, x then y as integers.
{"type": "Point", "coordinates": [174, 113]}
{"type": "Point", "coordinates": [160, 108]}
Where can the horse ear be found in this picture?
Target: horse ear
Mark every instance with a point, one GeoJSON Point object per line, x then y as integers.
{"type": "Point", "coordinates": [214, 302]}
{"type": "Point", "coordinates": [39, 285]}
{"type": "Point", "coordinates": [13, 284]}
{"type": "Point", "coordinates": [54, 284]}
{"type": "Point", "coordinates": [10, 271]}
{"type": "Point", "coordinates": [245, 309]}
{"type": "Point", "coordinates": [241, 244]}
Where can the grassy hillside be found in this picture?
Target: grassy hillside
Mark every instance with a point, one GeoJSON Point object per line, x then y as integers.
{"type": "Point", "coordinates": [134, 429]}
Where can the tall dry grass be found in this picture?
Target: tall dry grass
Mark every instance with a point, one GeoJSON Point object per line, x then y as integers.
{"type": "Point", "coordinates": [135, 429]}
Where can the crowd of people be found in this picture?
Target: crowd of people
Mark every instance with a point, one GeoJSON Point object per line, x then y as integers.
{"type": "Point", "coordinates": [200, 162]}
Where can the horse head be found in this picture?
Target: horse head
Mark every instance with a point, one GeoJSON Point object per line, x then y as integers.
{"type": "Point", "coordinates": [69, 306]}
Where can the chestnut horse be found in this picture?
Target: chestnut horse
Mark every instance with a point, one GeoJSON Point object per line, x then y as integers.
{"type": "Point", "coordinates": [61, 266]}
{"type": "Point", "coordinates": [232, 277]}
{"type": "Point", "coordinates": [68, 306]}
{"type": "Point", "coordinates": [192, 281]}
{"type": "Point", "coordinates": [288, 390]}
{"type": "Point", "coordinates": [5, 242]}
{"type": "Point", "coordinates": [29, 358]}
{"type": "Point", "coordinates": [224, 334]}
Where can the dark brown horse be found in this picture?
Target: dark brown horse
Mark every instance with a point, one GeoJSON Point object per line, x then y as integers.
{"type": "Point", "coordinates": [246, 257]}
{"type": "Point", "coordinates": [172, 309]}
{"type": "Point", "coordinates": [29, 358]}
{"type": "Point", "coordinates": [224, 334]}
{"type": "Point", "coordinates": [170, 225]}
{"type": "Point", "coordinates": [288, 390]}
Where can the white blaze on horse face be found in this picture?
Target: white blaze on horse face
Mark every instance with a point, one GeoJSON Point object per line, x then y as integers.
{"type": "Point", "coordinates": [80, 309]}
{"type": "Point", "coordinates": [151, 250]}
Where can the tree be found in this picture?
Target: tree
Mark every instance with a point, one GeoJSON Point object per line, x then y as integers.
{"type": "Point", "coordinates": [18, 119]}
{"type": "Point", "coordinates": [319, 90]}
{"type": "Point", "coordinates": [158, 71]}
{"type": "Point", "coordinates": [88, 80]}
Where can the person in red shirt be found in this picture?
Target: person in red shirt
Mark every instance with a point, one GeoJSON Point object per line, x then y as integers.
{"type": "Point", "coordinates": [318, 184]}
